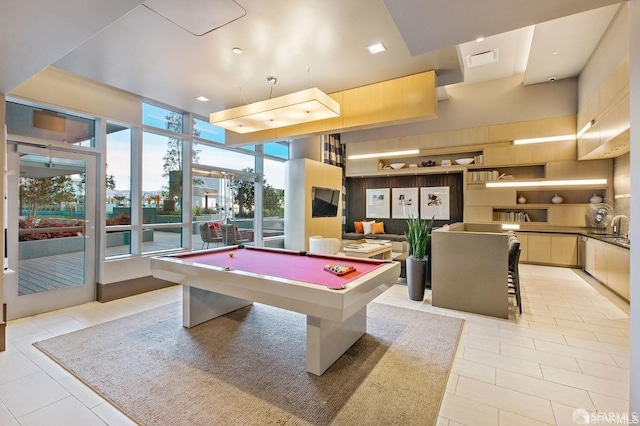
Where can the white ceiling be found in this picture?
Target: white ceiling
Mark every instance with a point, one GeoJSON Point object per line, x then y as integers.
{"type": "Point", "coordinates": [173, 54]}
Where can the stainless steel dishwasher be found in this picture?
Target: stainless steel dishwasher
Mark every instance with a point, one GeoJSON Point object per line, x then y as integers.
{"type": "Point", "coordinates": [582, 252]}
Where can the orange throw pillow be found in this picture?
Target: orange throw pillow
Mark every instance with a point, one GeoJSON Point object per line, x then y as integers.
{"type": "Point", "coordinates": [359, 227]}
{"type": "Point", "coordinates": [377, 228]}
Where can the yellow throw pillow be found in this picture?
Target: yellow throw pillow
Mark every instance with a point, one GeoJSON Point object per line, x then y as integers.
{"type": "Point", "coordinates": [377, 228]}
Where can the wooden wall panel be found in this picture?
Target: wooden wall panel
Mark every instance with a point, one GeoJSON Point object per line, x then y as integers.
{"type": "Point", "coordinates": [356, 197]}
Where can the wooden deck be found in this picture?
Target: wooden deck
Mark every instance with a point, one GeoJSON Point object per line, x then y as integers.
{"type": "Point", "coordinates": [67, 270]}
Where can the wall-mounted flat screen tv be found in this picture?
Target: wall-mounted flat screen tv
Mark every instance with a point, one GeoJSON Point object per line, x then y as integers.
{"type": "Point", "coordinates": [324, 202]}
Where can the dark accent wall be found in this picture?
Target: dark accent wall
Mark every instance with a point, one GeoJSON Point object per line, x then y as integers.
{"type": "Point", "coordinates": [356, 197]}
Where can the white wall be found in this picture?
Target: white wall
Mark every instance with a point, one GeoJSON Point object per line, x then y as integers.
{"type": "Point", "coordinates": [488, 103]}
{"type": "Point", "coordinates": [54, 86]}
{"type": "Point", "coordinates": [634, 54]}
{"type": "Point", "coordinates": [3, 156]}
{"type": "Point", "coordinates": [310, 148]}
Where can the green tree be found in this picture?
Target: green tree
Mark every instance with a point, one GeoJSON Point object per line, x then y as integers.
{"type": "Point", "coordinates": [111, 182]}
{"type": "Point", "coordinates": [273, 200]}
{"type": "Point", "coordinates": [42, 192]}
{"type": "Point", "coordinates": [172, 165]}
{"type": "Point", "coordinates": [243, 194]}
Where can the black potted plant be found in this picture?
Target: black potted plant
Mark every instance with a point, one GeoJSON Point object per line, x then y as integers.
{"type": "Point", "coordinates": [418, 239]}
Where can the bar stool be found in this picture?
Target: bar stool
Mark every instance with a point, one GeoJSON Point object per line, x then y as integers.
{"type": "Point", "coordinates": [513, 278]}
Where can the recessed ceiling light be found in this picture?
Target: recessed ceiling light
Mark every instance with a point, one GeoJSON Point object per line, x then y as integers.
{"type": "Point", "coordinates": [202, 99]}
{"type": "Point", "coordinates": [377, 48]}
{"type": "Point", "coordinates": [479, 39]}
{"type": "Point", "coordinates": [237, 50]}
{"type": "Point", "coordinates": [555, 52]}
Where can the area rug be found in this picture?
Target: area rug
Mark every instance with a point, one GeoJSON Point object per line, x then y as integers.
{"type": "Point", "coordinates": [249, 368]}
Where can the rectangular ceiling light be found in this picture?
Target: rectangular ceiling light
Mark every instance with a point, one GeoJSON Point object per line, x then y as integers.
{"type": "Point", "coordinates": [384, 154]}
{"type": "Point", "coordinates": [546, 139]}
{"type": "Point", "coordinates": [299, 107]}
{"type": "Point", "coordinates": [521, 184]}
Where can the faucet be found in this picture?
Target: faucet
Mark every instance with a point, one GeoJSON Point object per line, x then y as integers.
{"type": "Point", "coordinates": [616, 228]}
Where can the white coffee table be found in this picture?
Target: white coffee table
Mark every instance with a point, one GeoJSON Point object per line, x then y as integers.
{"type": "Point", "coordinates": [369, 250]}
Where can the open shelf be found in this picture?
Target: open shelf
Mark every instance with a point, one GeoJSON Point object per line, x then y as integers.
{"type": "Point", "coordinates": [480, 174]}
{"type": "Point", "coordinates": [570, 196]}
{"type": "Point", "coordinates": [520, 215]}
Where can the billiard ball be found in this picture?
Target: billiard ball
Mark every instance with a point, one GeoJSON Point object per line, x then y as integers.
{"type": "Point", "coordinates": [231, 253]}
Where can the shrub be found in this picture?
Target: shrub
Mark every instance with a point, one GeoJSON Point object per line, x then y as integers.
{"type": "Point", "coordinates": [47, 223]}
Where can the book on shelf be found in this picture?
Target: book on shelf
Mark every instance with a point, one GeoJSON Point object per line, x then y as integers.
{"type": "Point", "coordinates": [482, 175]}
{"type": "Point", "coordinates": [511, 216]}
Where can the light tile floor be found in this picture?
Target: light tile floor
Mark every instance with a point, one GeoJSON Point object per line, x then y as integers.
{"type": "Point", "coordinates": [568, 350]}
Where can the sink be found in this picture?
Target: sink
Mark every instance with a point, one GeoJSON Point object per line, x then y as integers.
{"type": "Point", "coordinates": [604, 235]}
{"type": "Point", "coordinates": [623, 241]}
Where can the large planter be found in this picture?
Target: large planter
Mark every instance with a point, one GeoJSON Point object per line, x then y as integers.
{"type": "Point", "coordinates": [416, 277]}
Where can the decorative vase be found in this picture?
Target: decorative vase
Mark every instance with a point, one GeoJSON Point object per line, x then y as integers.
{"type": "Point", "coordinates": [521, 199]}
{"type": "Point", "coordinates": [595, 199]}
{"type": "Point", "coordinates": [556, 199]}
{"type": "Point", "coordinates": [416, 277]}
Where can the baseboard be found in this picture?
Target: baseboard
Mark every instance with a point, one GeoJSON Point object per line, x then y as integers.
{"type": "Point", "coordinates": [3, 328]}
{"type": "Point", "coordinates": [121, 289]}
{"type": "Point", "coordinates": [3, 338]}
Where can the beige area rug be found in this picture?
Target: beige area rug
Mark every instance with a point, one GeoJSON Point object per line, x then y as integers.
{"type": "Point", "coordinates": [249, 368]}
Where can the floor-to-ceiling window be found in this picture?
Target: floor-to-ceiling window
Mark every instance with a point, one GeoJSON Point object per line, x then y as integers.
{"type": "Point", "coordinates": [118, 191]}
{"type": "Point", "coordinates": [273, 189]}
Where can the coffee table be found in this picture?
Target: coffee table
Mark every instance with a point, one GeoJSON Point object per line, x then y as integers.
{"type": "Point", "coordinates": [380, 250]}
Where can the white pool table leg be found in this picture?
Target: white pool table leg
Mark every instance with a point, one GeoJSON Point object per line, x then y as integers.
{"type": "Point", "coordinates": [328, 340]}
{"type": "Point", "coordinates": [200, 306]}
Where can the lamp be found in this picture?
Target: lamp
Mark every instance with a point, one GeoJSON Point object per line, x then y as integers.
{"type": "Point", "coordinates": [295, 108]}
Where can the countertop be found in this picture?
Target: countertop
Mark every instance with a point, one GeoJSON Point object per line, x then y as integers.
{"type": "Point", "coordinates": [616, 240]}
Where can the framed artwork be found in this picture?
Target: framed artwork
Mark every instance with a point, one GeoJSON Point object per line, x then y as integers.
{"type": "Point", "coordinates": [378, 203]}
{"type": "Point", "coordinates": [404, 203]}
{"type": "Point", "coordinates": [434, 202]}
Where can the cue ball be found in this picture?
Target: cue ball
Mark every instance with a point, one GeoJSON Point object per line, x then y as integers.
{"type": "Point", "coordinates": [231, 253]}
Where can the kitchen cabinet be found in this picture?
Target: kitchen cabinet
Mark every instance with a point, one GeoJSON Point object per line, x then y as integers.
{"type": "Point", "coordinates": [609, 264]}
{"type": "Point", "coordinates": [539, 248]}
{"type": "Point", "coordinates": [549, 248]}
{"type": "Point", "coordinates": [564, 250]}
{"type": "Point", "coordinates": [618, 270]}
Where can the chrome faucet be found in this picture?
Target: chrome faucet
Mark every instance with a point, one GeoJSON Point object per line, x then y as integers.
{"type": "Point", "coordinates": [616, 228]}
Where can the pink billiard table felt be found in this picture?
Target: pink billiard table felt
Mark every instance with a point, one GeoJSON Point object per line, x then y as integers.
{"type": "Point", "coordinates": [290, 265]}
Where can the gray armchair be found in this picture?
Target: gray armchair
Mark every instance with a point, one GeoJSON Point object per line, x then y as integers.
{"type": "Point", "coordinates": [231, 236]}
{"type": "Point", "coordinates": [208, 236]}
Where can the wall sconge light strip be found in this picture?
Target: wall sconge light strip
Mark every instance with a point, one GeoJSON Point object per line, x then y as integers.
{"type": "Point", "coordinates": [384, 154]}
{"type": "Point", "coordinates": [545, 139]}
{"type": "Point", "coordinates": [584, 129]}
{"type": "Point", "coordinates": [574, 182]}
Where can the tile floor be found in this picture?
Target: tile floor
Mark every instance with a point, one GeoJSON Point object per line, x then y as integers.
{"type": "Point", "coordinates": [568, 350]}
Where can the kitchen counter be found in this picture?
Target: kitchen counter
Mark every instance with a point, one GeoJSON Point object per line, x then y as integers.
{"type": "Point", "coordinates": [614, 239]}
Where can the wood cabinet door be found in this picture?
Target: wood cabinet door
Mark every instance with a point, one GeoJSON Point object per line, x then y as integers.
{"type": "Point", "coordinates": [600, 261]}
{"type": "Point", "coordinates": [539, 248]}
{"type": "Point", "coordinates": [564, 250]}
{"type": "Point", "coordinates": [618, 270]}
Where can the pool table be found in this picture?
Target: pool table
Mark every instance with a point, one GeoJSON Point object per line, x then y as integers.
{"type": "Point", "coordinates": [218, 281]}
